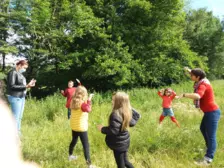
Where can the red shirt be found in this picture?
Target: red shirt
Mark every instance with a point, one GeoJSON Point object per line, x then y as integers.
{"type": "Point", "coordinates": [167, 100]}
{"type": "Point", "coordinates": [207, 101]}
{"type": "Point", "coordinates": [69, 92]}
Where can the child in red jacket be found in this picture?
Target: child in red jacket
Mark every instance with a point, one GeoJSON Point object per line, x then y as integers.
{"type": "Point", "coordinates": [69, 92]}
{"type": "Point", "coordinates": [167, 95]}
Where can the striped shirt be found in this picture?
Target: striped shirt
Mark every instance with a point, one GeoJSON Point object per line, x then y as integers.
{"type": "Point", "coordinates": [79, 117]}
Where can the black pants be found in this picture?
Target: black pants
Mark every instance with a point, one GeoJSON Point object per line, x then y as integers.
{"type": "Point", "coordinates": [85, 143]}
{"type": "Point", "coordinates": [122, 159]}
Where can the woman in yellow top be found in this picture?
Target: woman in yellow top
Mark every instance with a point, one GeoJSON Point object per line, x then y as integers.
{"type": "Point", "coordinates": [80, 108]}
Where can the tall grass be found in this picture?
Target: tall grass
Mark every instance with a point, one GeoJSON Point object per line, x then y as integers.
{"type": "Point", "coordinates": [47, 134]}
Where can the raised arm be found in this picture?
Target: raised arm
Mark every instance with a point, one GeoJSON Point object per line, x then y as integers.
{"type": "Point", "coordinates": [79, 83]}
{"type": "Point", "coordinates": [87, 107]}
{"type": "Point", "coordinates": [174, 95]}
{"type": "Point", "coordinates": [161, 92]}
{"type": "Point", "coordinates": [187, 69]}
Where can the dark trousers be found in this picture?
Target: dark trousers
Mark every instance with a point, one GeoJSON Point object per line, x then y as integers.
{"type": "Point", "coordinates": [122, 159]}
{"type": "Point", "coordinates": [85, 143]}
{"type": "Point", "coordinates": [208, 129]}
{"type": "Point", "coordinates": [69, 113]}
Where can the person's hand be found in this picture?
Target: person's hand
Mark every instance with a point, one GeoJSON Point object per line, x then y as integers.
{"type": "Point", "coordinates": [180, 96]}
{"type": "Point", "coordinates": [62, 91]}
{"type": "Point", "coordinates": [78, 81]}
{"type": "Point", "coordinates": [161, 90]}
{"type": "Point", "coordinates": [32, 83]}
{"type": "Point", "coordinates": [90, 96]}
{"type": "Point", "coordinates": [187, 69]}
{"type": "Point", "coordinates": [99, 127]}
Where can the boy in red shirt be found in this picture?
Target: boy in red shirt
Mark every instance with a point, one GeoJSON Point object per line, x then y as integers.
{"type": "Point", "coordinates": [167, 95]}
{"type": "Point", "coordinates": [69, 92]}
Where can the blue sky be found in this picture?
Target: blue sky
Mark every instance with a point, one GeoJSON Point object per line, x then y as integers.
{"type": "Point", "coordinates": [217, 6]}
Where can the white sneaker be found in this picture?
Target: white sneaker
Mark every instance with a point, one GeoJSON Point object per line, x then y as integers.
{"type": "Point", "coordinates": [204, 162]}
{"type": "Point", "coordinates": [71, 157]}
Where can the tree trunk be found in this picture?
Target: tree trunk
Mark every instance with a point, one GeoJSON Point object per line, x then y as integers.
{"type": "Point", "coordinates": [4, 54]}
{"type": "Point", "coordinates": [3, 62]}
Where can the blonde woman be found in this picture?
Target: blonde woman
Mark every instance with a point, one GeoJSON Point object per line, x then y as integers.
{"type": "Point", "coordinates": [117, 135]}
{"type": "Point", "coordinates": [80, 108]}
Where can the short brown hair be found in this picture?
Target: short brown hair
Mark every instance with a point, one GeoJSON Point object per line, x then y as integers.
{"type": "Point", "coordinates": [70, 81]}
{"type": "Point", "coordinates": [198, 73]}
{"type": "Point", "coordinates": [167, 90]}
{"type": "Point", "coordinates": [22, 62]}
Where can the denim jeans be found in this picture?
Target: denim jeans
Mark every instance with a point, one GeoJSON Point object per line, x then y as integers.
{"type": "Point", "coordinates": [17, 106]}
{"type": "Point", "coordinates": [208, 129]}
{"type": "Point", "coordinates": [168, 112]}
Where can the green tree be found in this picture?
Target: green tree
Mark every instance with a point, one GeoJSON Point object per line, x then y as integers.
{"type": "Point", "coordinates": [204, 32]}
{"type": "Point", "coordinates": [107, 44]}
{"type": "Point", "coordinates": [6, 31]}
{"type": "Point", "coordinates": [59, 37]}
{"type": "Point", "coordinates": [153, 32]}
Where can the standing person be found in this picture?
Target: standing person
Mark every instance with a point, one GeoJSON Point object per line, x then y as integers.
{"type": "Point", "coordinates": [117, 135]}
{"type": "Point", "coordinates": [203, 97]}
{"type": "Point", "coordinates": [16, 90]}
{"type": "Point", "coordinates": [68, 93]}
{"type": "Point", "coordinates": [167, 95]}
{"type": "Point", "coordinates": [80, 108]}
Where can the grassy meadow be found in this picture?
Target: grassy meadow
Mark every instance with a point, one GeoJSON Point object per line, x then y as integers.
{"type": "Point", "coordinates": [47, 134]}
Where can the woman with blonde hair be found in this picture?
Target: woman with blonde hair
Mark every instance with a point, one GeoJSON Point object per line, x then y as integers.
{"type": "Point", "coordinates": [80, 108]}
{"type": "Point", "coordinates": [117, 135]}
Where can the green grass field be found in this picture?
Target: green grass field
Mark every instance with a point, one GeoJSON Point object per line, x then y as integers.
{"type": "Point", "coordinates": [47, 134]}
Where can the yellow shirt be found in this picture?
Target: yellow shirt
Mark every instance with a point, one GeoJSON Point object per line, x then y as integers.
{"type": "Point", "coordinates": [79, 120]}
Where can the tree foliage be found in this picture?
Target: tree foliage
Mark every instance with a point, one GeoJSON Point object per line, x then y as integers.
{"type": "Point", "coordinates": [204, 32]}
{"type": "Point", "coordinates": [114, 43]}
{"type": "Point", "coordinates": [6, 31]}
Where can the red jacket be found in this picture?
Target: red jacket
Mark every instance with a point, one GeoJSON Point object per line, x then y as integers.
{"type": "Point", "coordinates": [69, 92]}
